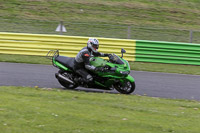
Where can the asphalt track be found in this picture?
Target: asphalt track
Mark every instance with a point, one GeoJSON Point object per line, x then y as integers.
{"type": "Point", "coordinates": [154, 84]}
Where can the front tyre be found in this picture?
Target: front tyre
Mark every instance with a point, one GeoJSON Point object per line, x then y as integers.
{"type": "Point", "coordinates": [125, 88]}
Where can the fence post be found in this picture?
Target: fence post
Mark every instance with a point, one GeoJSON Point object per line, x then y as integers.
{"type": "Point", "coordinates": [191, 36]}
{"type": "Point", "coordinates": [129, 32]}
{"type": "Point", "coordinates": [61, 27]}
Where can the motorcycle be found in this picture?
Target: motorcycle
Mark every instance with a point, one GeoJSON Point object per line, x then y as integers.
{"type": "Point", "coordinates": [114, 75]}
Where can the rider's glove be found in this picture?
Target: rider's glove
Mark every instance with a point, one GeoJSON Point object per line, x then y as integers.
{"type": "Point", "coordinates": [107, 55]}
{"type": "Point", "coordinates": [101, 69]}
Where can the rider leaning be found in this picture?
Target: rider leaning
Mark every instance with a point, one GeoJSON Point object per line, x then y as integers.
{"type": "Point", "coordinates": [82, 63]}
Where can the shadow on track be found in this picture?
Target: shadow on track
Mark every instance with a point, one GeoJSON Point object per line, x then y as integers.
{"type": "Point", "coordinates": [91, 90]}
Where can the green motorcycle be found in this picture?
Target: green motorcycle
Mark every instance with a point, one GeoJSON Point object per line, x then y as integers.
{"type": "Point", "coordinates": [114, 75]}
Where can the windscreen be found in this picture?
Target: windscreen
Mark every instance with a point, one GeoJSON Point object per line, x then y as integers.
{"type": "Point", "coordinates": [115, 59]}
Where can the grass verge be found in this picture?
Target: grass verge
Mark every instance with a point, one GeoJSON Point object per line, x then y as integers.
{"type": "Point", "coordinates": [138, 66]}
{"type": "Point", "coordinates": [24, 59]}
{"type": "Point", "coordinates": [149, 20]}
{"type": "Point", "coordinates": [47, 110]}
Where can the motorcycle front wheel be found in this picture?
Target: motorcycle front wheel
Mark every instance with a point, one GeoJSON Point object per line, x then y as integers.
{"type": "Point", "coordinates": [125, 88]}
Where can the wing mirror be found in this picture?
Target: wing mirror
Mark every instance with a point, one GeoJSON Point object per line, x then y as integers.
{"type": "Point", "coordinates": [123, 51]}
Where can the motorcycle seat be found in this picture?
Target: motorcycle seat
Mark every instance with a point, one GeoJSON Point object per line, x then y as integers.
{"type": "Point", "coordinates": [66, 61]}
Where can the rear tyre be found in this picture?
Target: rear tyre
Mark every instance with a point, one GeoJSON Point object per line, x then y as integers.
{"type": "Point", "coordinates": [125, 88]}
{"type": "Point", "coordinates": [66, 84]}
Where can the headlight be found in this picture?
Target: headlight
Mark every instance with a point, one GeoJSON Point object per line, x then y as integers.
{"type": "Point", "coordinates": [125, 72]}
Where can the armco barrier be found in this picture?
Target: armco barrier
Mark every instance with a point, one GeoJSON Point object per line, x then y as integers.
{"type": "Point", "coordinates": [139, 50]}
{"type": "Point", "coordinates": [36, 44]}
{"type": "Point", "coordinates": [168, 52]}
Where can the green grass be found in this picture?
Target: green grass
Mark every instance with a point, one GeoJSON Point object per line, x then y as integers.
{"type": "Point", "coordinates": [46, 110]}
{"type": "Point", "coordinates": [24, 59]}
{"type": "Point", "coordinates": [173, 13]}
{"type": "Point", "coordinates": [138, 66]}
{"type": "Point", "coordinates": [149, 20]}
{"type": "Point", "coordinates": [166, 68]}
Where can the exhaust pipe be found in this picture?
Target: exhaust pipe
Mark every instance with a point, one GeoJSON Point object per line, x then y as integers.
{"type": "Point", "coordinates": [61, 77]}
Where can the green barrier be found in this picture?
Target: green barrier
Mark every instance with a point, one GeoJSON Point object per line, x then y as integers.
{"type": "Point", "coordinates": [168, 52]}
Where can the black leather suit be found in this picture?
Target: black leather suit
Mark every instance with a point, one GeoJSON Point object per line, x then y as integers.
{"type": "Point", "coordinates": [82, 63]}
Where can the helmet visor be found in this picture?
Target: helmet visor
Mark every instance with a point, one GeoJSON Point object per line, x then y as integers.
{"type": "Point", "coordinates": [95, 46]}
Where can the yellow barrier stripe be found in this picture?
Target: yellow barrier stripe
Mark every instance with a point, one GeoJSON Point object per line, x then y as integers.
{"type": "Point", "coordinates": [50, 44]}
{"type": "Point", "coordinates": [103, 49]}
{"type": "Point", "coordinates": [44, 52]}
{"type": "Point", "coordinates": [39, 44]}
{"type": "Point", "coordinates": [58, 38]}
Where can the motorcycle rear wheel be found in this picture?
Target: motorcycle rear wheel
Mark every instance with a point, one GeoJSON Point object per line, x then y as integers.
{"type": "Point", "coordinates": [125, 88]}
{"type": "Point", "coordinates": [65, 84]}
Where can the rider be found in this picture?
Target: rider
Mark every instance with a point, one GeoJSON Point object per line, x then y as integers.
{"type": "Point", "coordinates": [82, 63]}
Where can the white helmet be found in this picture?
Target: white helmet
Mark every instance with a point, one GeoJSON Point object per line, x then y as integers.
{"type": "Point", "coordinates": [93, 44]}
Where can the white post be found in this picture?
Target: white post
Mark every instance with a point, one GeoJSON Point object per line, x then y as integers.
{"type": "Point", "coordinates": [61, 27]}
